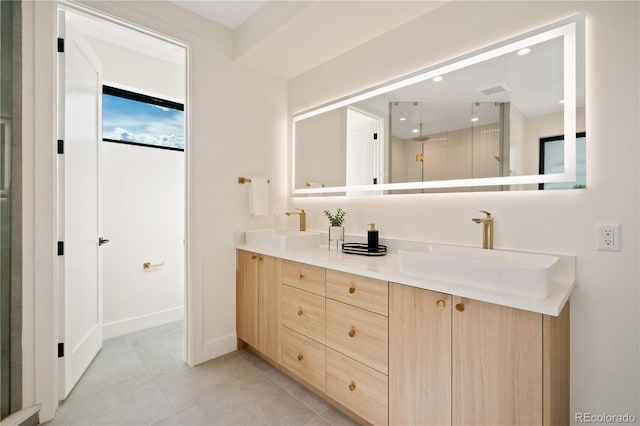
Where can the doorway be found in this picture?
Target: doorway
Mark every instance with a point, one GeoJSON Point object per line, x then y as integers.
{"type": "Point", "coordinates": [138, 280]}
{"type": "Point", "coordinates": [364, 150]}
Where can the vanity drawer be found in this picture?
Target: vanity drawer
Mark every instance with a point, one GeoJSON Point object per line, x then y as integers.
{"type": "Point", "coordinates": [304, 357]}
{"type": "Point", "coordinates": [362, 389]}
{"type": "Point", "coordinates": [303, 312]}
{"type": "Point", "coordinates": [363, 292]}
{"type": "Point", "coordinates": [304, 277]}
{"type": "Point", "coordinates": [360, 334]}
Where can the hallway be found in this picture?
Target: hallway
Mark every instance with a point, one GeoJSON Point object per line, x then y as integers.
{"type": "Point", "coordinates": [140, 379]}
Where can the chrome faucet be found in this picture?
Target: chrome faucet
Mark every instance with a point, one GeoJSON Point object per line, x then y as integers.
{"type": "Point", "coordinates": [487, 229]}
{"type": "Point", "coordinates": [303, 218]}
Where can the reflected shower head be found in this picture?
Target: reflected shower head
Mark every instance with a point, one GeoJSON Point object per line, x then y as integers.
{"type": "Point", "coordinates": [420, 138]}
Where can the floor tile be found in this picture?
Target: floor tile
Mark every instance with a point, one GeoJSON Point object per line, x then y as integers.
{"type": "Point", "coordinates": [110, 367]}
{"type": "Point", "coordinates": [185, 388]}
{"type": "Point", "coordinates": [141, 379]}
{"type": "Point", "coordinates": [318, 421]}
{"type": "Point", "coordinates": [337, 418]}
{"type": "Point", "coordinates": [131, 402]}
{"type": "Point", "coordinates": [256, 360]}
{"type": "Point", "coordinates": [261, 399]}
{"type": "Point", "coordinates": [298, 391]}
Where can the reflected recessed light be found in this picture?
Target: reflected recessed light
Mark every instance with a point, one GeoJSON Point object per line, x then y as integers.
{"type": "Point", "coordinates": [561, 101]}
{"type": "Point", "coordinates": [474, 119]}
{"type": "Point", "coordinates": [438, 78]}
{"type": "Point", "coordinates": [415, 130]}
{"type": "Point", "coordinates": [403, 118]}
{"type": "Point", "coordinates": [524, 51]}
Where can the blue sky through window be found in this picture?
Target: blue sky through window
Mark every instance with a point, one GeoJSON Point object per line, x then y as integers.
{"type": "Point", "coordinates": [128, 120]}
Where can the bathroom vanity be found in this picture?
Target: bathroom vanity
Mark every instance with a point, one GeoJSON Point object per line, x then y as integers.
{"type": "Point", "coordinates": [387, 347]}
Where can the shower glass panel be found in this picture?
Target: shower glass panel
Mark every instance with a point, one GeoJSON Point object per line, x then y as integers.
{"type": "Point", "coordinates": [474, 146]}
{"type": "Point", "coordinates": [5, 204]}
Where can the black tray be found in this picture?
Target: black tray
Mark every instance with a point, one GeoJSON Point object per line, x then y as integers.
{"type": "Point", "coordinates": [363, 249]}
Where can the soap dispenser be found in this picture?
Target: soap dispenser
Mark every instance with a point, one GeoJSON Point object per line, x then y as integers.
{"type": "Point", "coordinates": [372, 238]}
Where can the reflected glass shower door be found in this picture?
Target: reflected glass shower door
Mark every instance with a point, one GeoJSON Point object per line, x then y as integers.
{"type": "Point", "coordinates": [5, 205]}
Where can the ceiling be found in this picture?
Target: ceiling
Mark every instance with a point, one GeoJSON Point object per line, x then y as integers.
{"type": "Point", "coordinates": [285, 38]}
{"type": "Point", "coordinates": [282, 38]}
{"type": "Point", "coordinates": [231, 14]}
{"type": "Point", "coordinates": [127, 38]}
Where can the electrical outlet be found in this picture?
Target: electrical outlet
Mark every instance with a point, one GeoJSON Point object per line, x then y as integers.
{"type": "Point", "coordinates": [608, 236]}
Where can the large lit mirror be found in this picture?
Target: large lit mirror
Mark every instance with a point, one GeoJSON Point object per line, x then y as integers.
{"type": "Point", "coordinates": [508, 117]}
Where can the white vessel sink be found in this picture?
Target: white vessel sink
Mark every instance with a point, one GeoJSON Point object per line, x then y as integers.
{"type": "Point", "coordinates": [525, 274]}
{"type": "Point", "coordinates": [283, 238]}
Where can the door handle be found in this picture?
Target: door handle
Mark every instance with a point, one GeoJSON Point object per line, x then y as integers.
{"type": "Point", "coordinates": [102, 241]}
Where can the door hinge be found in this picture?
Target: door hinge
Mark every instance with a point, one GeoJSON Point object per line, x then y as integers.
{"type": "Point", "coordinates": [60, 146]}
{"type": "Point", "coordinates": [375, 136]}
{"type": "Point", "coordinates": [60, 45]}
{"type": "Point", "coordinates": [375, 181]}
{"type": "Point", "coordinates": [60, 350]}
{"type": "Point", "coordinates": [60, 248]}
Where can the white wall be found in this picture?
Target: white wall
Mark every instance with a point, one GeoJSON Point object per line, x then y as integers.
{"type": "Point", "coordinates": [238, 128]}
{"type": "Point", "coordinates": [136, 71]}
{"type": "Point", "coordinates": [143, 205]}
{"type": "Point", "coordinates": [143, 217]}
{"type": "Point", "coordinates": [321, 158]}
{"type": "Point", "coordinates": [605, 304]}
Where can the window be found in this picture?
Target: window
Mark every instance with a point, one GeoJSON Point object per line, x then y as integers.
{"type": "Point", "coordinates": [136, 119]}
{"type": "Point", "coordinates": [552, 161]}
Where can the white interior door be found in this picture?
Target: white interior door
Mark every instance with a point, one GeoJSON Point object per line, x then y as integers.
{"type": "Point", "coordinates": [81, 288]}
{"type": "Point", "coordinates": [364, 150]}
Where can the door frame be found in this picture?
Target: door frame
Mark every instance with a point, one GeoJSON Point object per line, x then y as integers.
{"type": "Point", "coordinates": [41, 196]}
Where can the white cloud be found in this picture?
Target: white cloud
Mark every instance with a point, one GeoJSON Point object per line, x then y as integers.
{"type": "Point", "coordinates": [165, 109]}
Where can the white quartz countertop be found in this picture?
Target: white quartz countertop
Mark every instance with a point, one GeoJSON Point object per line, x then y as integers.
{"type": "Point", "coordinates": [386, 268]}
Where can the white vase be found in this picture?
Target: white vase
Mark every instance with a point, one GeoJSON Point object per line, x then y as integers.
{"type": "Point", "coordinates": [336, 234]}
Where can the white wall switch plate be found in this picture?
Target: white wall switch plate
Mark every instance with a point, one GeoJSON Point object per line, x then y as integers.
{"type": "Point", "coordinates": [608, 236]}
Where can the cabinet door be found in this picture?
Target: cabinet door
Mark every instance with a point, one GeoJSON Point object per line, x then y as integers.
{"type": "Point", "coordinates": [419, 356]}
{"type": "Point", "coordinates": [247, 297]}
{"type": "Point", "coordinates": [268, 305]}
{"type": "Point", "coordinates": [497, 365]}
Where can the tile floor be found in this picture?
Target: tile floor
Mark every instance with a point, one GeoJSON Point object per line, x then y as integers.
{"type": "Point", "coordinates": [140, 379]}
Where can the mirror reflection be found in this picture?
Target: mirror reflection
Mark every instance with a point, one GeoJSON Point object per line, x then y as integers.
{"type": "Point", "coordinates": [498, 118]}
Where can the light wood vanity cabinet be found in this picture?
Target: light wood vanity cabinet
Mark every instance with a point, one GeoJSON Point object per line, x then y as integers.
{"type": "Point", "coordinates": [257, 302]}
{"type": "Point", "coordinates": [358, 387]}
{"type": "Point", "coordinates": [362, 292]}
{"type": "Point", "coordinates": [419, 356]}
{"type": "Point", "coordinates": [304, 357]}
{"type": "Point", "coordinates": [303, 312]}
{"type": "Point", "coordinates": [358, 344]}
{"type": "Point", "coordinates": [395, 354]}
{"type": "Point", "coordinates": [465, 362]}
{"type": "Point", "coordinates": [305, 277]}
{"type": "Point", "coordinates": [359, 334]}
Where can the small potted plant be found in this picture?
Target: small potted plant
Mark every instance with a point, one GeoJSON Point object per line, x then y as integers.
{"type": "Point", "coordinates": [336, 230]}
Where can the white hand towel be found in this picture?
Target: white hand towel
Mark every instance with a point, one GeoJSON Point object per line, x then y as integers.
{"type": "Point", "coordinates": [258, 197]}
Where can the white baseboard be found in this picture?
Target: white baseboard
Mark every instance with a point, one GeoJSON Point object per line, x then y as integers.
{"type": "Point", "coordinates": [142, 322]}
{"type": "Point", "coordinates": [215, 348]}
